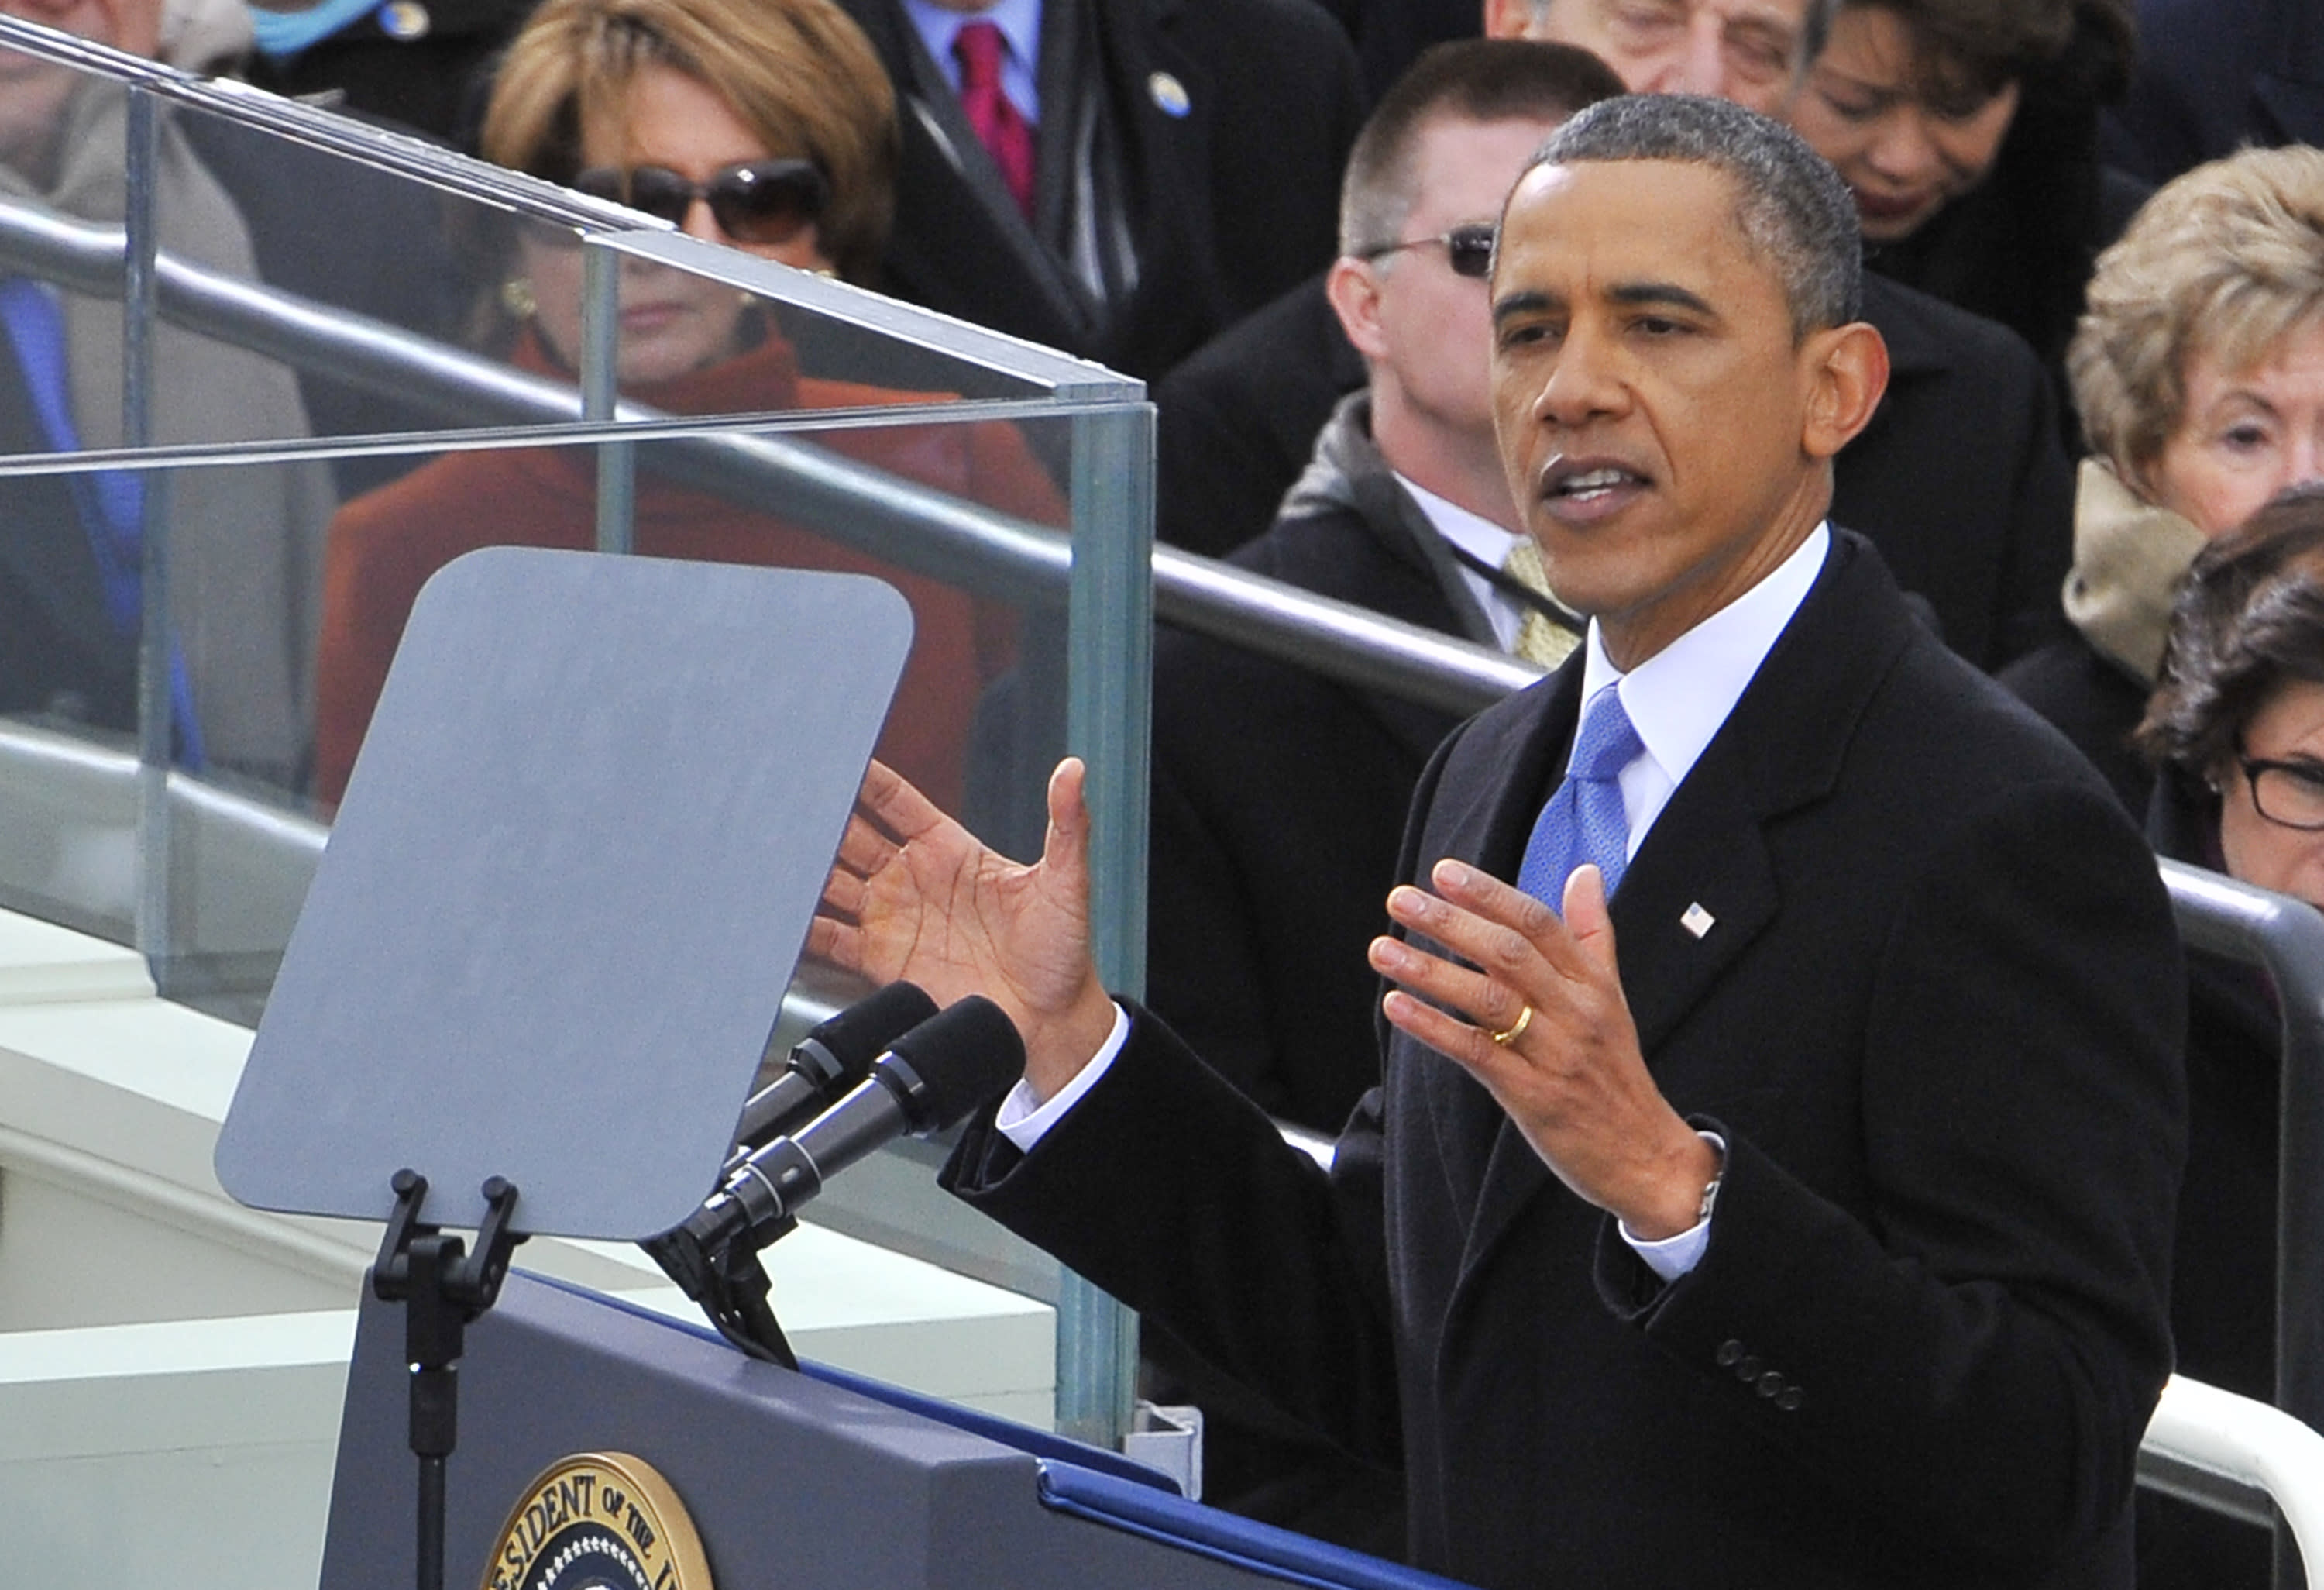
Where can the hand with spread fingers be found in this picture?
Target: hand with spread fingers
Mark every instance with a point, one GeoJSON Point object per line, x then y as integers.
{"type": "Point", "coordinates": [1548, 1033]}
{"type": "Point", "coordinates": [915, 895]}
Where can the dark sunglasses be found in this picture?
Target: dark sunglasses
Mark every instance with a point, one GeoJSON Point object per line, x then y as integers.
{"type": "Point", "coordinates": [1469, 249]}
{"type": "Point", "coordinates": [759, 201]}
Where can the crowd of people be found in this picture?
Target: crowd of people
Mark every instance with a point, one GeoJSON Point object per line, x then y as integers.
{"type": "Point", "coordinates": [1821, 392]}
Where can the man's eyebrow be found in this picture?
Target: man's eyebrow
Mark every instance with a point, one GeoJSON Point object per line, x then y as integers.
{"type": "Point", "coordinates": [1638, 293]}
{"type": "Point", "coordinates": [1524, 303]}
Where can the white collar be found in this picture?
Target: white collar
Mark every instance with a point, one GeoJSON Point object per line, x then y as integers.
{"type": "Point", "coordinates": [1678, 698]}
{"type": "Point", "coordinates": [1473, 533]}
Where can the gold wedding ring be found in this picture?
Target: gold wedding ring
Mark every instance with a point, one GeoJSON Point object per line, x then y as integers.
{"type": "Point", "coordinates": [1515, 1031]}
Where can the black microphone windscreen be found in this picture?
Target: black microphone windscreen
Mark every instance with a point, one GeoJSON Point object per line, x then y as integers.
{"type": "Point", "coordinates": [833, 1056]}
{"type": "Point", "coordinates": [966, 1057]}
{"type": "Point", "coordinates": [861, 1033]}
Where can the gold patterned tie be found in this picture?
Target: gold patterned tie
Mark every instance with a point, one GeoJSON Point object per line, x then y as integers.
{"type": "Point", "coordinates": [1539, 638]}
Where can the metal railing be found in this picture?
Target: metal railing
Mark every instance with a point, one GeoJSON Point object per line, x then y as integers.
{"type": "Point", "coordinates": [962, 542]}
{"type": "Point", "coordinates": [2285, 938]}
{"type": "Point", "coordinates": [2241, 1457]}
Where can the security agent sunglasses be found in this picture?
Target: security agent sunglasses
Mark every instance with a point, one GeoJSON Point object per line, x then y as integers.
{"type": "Point", "coordinates": [1469, 249]}
{"type": "Point", "coordinates": [761, 202]}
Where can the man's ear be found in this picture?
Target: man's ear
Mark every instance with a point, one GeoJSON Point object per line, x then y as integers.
{"type": "Point", "coordinates": [1355, 293]}
{"type": "Point", "coordinates": [1847, 367]}
{"type": "Point", "coordinates": [1506, 19]}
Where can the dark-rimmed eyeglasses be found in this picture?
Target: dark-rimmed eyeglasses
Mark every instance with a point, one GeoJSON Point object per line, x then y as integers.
{"type": "Point", "coordinates": [1469, 249]}
{"type": "Point", "coordinates": [760, 201]}
{"type": "Point", "coordinates": [2289, 794]}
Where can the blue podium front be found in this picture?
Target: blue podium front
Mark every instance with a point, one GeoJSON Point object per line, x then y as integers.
{"type": "Point", "coordinates": [810, 1481]}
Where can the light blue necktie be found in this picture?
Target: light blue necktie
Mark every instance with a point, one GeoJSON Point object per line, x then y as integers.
{"type": "Point", "coordinates": [1583, 820]}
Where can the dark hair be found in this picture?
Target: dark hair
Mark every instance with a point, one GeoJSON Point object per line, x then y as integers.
{"type": "Point", "coordinates": [1472, 79]}
{"type": "Point", "coordinates": [2249, 620]}
{"type": "Point", "coordinates": [1965, 51]}
{"type": "Point", "coordinates": [1789, 205]}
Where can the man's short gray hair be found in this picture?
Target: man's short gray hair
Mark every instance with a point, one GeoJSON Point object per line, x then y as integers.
{"type": "Point", "coordinates": [1790, 206]}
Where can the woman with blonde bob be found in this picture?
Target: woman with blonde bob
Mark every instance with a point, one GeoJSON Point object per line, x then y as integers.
{"type": "Point", "coordinates": [767, 125]}
{"type": "Point", "coordinates": [2198, 372]}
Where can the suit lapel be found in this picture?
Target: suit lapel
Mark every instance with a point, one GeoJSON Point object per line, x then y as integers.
{"type": "Point", "coordinates": [967, 250]}
{"type": "Point", "coordinates": [1491, 824]}
{"type": "Point", "coordinates": [1162, 105]}
{"type": "Point", "coordinates": [1780, 749]}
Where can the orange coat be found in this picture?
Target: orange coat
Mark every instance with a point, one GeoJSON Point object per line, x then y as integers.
{"type": "Point", "coordinates": [385, 544]}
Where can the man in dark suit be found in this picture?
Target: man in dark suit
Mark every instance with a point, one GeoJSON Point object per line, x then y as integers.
{"type": "Point", "coordinates": [2214, 76]}
{"type": "Point", "coordinates": [1800, 1218]}
{"type": "Point", "coordinates": [1175, 165]}
{"type": "Point", "coordinates": [1267, 775]}
{"type": "Point", "coordinates": [1959, 479]}
{"type": "Point", "coordinates": [1279, 796]}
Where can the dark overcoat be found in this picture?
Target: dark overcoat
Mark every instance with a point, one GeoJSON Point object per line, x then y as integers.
{"type": "Point", "coordinates": [1934, 1005]}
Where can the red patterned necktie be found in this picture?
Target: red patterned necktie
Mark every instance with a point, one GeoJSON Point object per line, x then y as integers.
{"type": "Point", "coordinates": [1000, 125]}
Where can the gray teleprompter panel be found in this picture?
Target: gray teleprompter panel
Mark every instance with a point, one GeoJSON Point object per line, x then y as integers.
{"type": "Point", "coordinates": [791, 1483]}
{"type": "Point", "coordinates": [569, 882]}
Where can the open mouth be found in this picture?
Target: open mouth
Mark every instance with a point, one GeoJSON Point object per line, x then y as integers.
{"type": "Point", "coordinates": [1593, 484]}
{"type": "Point", "coordinates": [1585, 489]}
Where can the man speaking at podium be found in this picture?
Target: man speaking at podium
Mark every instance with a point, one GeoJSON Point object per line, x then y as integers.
{"type": "Point", "coordinates": [1794, 1212]}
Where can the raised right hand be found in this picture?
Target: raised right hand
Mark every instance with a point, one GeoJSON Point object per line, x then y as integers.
{"type": "Point", "coordinates": [915, 895]}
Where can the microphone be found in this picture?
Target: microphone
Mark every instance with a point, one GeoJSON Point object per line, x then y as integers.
{"type": "Point", "coordinates": [831, 1059]}
{"type": "Point", "coordinates": [929, 1079]}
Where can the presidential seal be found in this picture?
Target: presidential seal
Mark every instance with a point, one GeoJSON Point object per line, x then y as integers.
{"type": "Point", "coordinates": [599, 1520]}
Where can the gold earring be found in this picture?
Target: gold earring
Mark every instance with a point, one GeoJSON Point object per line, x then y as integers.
{"type": "Point", "coordinates": [516, 298]}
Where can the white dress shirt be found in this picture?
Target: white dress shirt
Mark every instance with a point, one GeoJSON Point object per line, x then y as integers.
{"type": "Point", "coordinates": [1487, 542]}
{"type": "Point", "coordinates": [1677, 699]}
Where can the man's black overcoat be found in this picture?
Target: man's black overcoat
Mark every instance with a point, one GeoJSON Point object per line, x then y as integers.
{"type": "Point", "coordinates": [1936, 1010]}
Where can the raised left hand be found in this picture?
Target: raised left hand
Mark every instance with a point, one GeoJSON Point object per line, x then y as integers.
{"type": "Point", "coordinates": [1570, 1074]}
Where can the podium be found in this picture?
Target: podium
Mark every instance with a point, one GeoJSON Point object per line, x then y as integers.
{"type": "Point", "coordinates": [809, 1480]}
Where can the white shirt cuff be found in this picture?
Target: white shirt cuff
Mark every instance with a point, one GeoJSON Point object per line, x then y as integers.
{"type": "Point", "coordinates": [1024, 1119]}
{"type": "Point", "coordinates": [1674, 1256]}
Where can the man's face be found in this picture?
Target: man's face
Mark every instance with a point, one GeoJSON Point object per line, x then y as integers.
{"type": "Point", "coordinates": [1746, 51]}
{"type": "Point", "coordinates": [1652, 407]}
{"type": "Point", "coordinates": [1430, 326]}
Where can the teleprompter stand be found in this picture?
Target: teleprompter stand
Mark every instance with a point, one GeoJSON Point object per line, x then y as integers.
{"type": "Point", "coordinates": [443, 1288]}
{"type": "Point", "coordinates": [574, 868]}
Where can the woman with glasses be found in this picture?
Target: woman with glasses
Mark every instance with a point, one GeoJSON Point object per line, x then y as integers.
{"type": "Point", "coordinates": [2238, 721]}
{"type": "Point", "coordinates": [767, 125]}
{"type": "Point", "coordinates": [769, 128]}
{"type": "Point", "coordinates": [2236, 729]}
